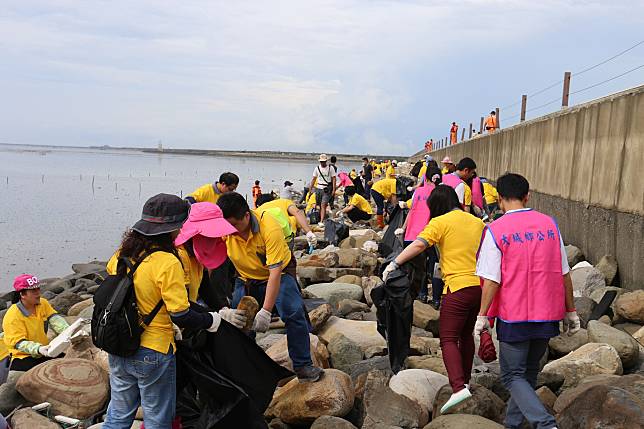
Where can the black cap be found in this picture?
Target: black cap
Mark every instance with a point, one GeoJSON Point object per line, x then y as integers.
{"type": "Point", "coordinates": [287, 183]}
{"type": "Point", "coordinates": [163, 213]}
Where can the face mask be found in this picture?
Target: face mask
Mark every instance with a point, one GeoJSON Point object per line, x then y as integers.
{"type": "Point", "coordinates": [210, 252]}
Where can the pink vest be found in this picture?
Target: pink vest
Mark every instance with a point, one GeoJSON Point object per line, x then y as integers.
{"type": "Point", "coordinates": [452, 180]}
{"type": "Point", "coordinates": [477, 194]}
{"type": "Point", "coordinates": [532, 287]}
{"type": "Point", "coordinates": [345, 180]}
{"type": "Point", "coordinates": [418, 215]}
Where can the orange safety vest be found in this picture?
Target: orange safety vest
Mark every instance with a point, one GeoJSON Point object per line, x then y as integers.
{"type": "Point", "coordinates": [490, 122]}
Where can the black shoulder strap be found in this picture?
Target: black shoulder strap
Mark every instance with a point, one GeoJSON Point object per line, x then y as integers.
{"type": "Point", "coordinates": [147, 319]}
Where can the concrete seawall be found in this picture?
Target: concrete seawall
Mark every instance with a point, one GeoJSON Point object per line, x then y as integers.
{"type": "Point", "coordinates": [584, 165]}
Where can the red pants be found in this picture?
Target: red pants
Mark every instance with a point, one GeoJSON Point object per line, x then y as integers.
{"type": "Point", "coordinates": [456, 326]}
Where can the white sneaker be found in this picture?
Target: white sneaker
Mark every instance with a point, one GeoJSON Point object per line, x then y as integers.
{"type": "Point", "coordinates": [320, 223]}
{"type": "Point", "coordinates": [456, 399]}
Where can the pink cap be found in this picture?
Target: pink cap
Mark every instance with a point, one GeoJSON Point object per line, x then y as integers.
{"type": "Point", "coordinates": [26, 281]}
{"type": "Point", "coordinates": [447, 160]}
{"type": "Point", "coordinates": [206, 225]}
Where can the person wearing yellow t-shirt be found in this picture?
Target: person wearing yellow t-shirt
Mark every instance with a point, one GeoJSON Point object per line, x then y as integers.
{"type": "Point", "coordinates": [382, 191]}
{"type": "Point", "coordinates": [159, 279]}
{"type": "Point", "coordinates": [391, 171]}
{"type": "Point", "coordinates": [290, 211]}
{"type": "Point", "coordinates": [353, 174]}
{"type": "Point", "coordinates": [457, 235]}
{"type": "Point", "coordinates": [358, 208]}
{"type": "Point", "coordinates": [25, 324]}
{"type": "Point", "coordinates": [5, 360]}
{"type": "Point", "coordinates": [310, 203]}
{"type": "Point", "coordinates": [210, 192]}
{"type": "Point", "coordinates": [265, 265]}
{"type": "Point", "coordinates": [491, 195]}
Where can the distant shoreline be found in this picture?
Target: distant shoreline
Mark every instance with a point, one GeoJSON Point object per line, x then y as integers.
{"type": "Point", "coordinates": [216, 152]}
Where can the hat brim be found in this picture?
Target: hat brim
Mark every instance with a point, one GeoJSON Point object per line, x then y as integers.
{"type": "Point", "coordinates": [151, 228]}
{"type": "Point", "coordinates": [212, 228]}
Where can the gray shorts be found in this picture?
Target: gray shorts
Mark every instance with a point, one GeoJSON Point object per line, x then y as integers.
{"type": "Point", "coordinates": [321, 197]}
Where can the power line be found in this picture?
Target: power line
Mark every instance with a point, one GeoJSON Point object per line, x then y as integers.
{"type": "Point", "coordinates": [607, 80]}
{"type": "Point", "coordinates": [540, 91]}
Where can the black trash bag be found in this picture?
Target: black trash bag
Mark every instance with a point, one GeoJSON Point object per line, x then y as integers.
{"type": "Point", "coordinates": [314, 217]}
{"type": "Point", "coordinates": [395, 312]}
{"type": "Point", "coordinates": [224, 380]}
{"type": "Point", "coordinates": [415, 170]}
{"type": "Point", "coordinates": [390, 243]}
{"type": "Point", "coordinates": [402, 183]}
{"type": "Point", "coordinates": [334, 231]}
{"type": "Point", "coordinates": [357, 183]}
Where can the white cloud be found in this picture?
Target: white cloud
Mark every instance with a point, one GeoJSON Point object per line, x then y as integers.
{"type": "Point", "coordinates": [347, 74]}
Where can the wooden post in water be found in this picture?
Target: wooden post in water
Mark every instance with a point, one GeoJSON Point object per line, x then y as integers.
{"type": "Point", "coordinates": [524, 103]}
{"type": "Point", "coordinates": [566, 90]}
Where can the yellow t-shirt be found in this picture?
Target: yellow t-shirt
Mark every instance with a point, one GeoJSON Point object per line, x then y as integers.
{"type": "Point", "coordinates": [310, 202]}
{"type": "Point", "coordinates": [377, 172]}
{"type": "Point", "coordinates": [360, 202]}
{"type": "Point", "coordinates": [264, 249]}
{"type": "Point", "coordinates": [445, 170]}
{"type": "Point", "coordinates": [385, 187]}
{"type": "Point", "coordinates": [391, 172]}
{"type": "Point", "coordinates": [283, 204]}
{"type": "Point", "coordinates": [18, 327]}
{"type": "Point", "coordinates": [467, 197]}
{"type": "Point", "coordinates": [192, 273]}
{"type": "Point", "coordinates": [207, 193]}
{"type": "Point", "coordinates": [458, 235]}
{"type": "Point", "coordinates": [4, 351]}
{"type": "Point", "coordinates": [491, 195]}
{"type": "Point", "coordinates": [160, 275]}
{"type": "Point", "coordinates": [422, 171]}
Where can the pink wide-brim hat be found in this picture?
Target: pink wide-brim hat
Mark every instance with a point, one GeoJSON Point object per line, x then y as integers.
{"type": "Point", "coordinates": [447, 160]}
{"type": "Point", "coordinates": [206, 225]}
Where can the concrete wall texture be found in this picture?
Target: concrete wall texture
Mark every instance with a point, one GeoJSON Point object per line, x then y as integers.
{"type": "Point", "coordinates": [584, 165]}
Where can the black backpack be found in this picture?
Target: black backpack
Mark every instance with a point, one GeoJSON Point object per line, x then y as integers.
{"type": "Point", "coordinates": [416, 169]}
{"type": "Point", "coordinates": [117, 324]}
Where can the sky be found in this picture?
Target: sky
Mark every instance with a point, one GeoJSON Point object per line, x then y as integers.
{"type": "Point", "coordinates": [339, 76]}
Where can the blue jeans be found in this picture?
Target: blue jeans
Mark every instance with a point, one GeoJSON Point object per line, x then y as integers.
{"type": "Point", "coordinates": [290, 307]}
{"type": "Point", "coordinates": [380, 202]}
{"type": "Point", "coordinates": [519, 369]}
{"type": "Point", "coordinates": [147, 378]}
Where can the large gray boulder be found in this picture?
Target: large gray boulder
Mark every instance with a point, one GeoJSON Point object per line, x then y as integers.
{"type": "Point", "coordinates": [333, 293]}
{"type": "Point", "coordinates": [624, 344]}
{"type": "Point", "coordinates": [574, 255]}
{"type": "Point", "coordinates": [10, 398]}
{"type": "Point", "coordinates": [483, 403]}
{"type": "Point", "coordinates": [634, 383]}
{"type": "Point", "coordinates": [331, 422]}
{"type": "Point", "coordinates": [344, 353]}
{"type": "Point", "coordinates": [631, 306]}
{"type": "Point", "coordinates": [563, 344]}
{"type": "Point", "coordinates": [607, 265]}
{"type": "Point", "coordinates": [419, 385]}
{"type": "Point", "coordinates": [584, 306]}
{"type": "Point", "coordinates": [426, 317]}
{"type": "Point", "coordinates": [589, 359]}
{"type": "Point", "coordinates": [26, 418]}
{"type": "Point", "coordinates": [64, 301]}
{"type": "Point", "coordinates": [586, 280]}
{"type": "Point", "coordinates": [462, 421]}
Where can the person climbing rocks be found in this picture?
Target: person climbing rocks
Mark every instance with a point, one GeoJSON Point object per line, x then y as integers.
{"type": "Point", "coordinates": [457, 236]}
{"type": "Point", "coordinates": [465, 170]}
{"type": "Point", "coordinates": [211, 192]}
{"type": "Point", "coordinates": [25, 324]}
{"type": "Point", "coordinates": [324, 185]}
{"type": "Point", "coordinates": [266, 270]}
{"type": "Point", "coordinates": [528, 290]}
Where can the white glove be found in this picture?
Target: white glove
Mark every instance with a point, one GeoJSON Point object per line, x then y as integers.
{"type": "Point", "coordinates": [178, 336]}
{"type": "Point", "coordinates": [216, 320]}
{"type": "Point", "coordinates": [237, 318]}
{"type": "Point", "coordinates": [262, 321]}
{"type": "Point", "coordinates": [410, 188]}
{"type": "Point", "coordinates": [311, 238]}
{"type": "Point", "coordinates": [482, 322]}
{"type": "Point", "coordinates": [402, 205]}
{"type": "Point", "coordinates": [388, 270]}
{"type": "Point", "coordinates": [43, 351]}
{"type": "Point", "coordinates": [571, 323]}
{"type": "Point", "coordinates": [399, 232]}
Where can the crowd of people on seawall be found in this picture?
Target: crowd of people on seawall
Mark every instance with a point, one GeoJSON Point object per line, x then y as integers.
{"type": "Point", "coordinates": [217, 312]}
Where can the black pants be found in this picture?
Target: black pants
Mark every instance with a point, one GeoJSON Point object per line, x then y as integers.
{"type": "Point", "coordinates": [355, 214]}
{"type": "Point", "coordinates": [25, 364]}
